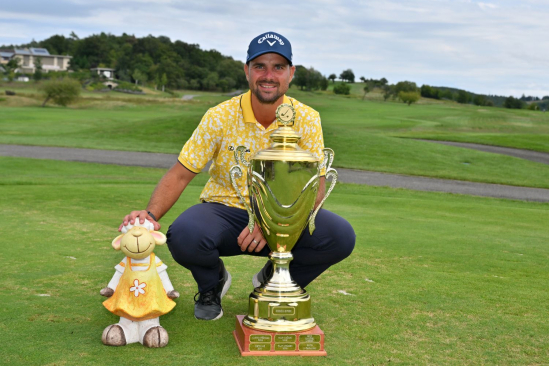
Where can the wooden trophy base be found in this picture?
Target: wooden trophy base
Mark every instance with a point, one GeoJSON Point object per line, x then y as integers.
{"type": "Point", "coordinates": [253, 342]}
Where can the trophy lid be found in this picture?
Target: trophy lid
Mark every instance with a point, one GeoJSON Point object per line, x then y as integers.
{"type": "Point", "coordinates": [284, 140]}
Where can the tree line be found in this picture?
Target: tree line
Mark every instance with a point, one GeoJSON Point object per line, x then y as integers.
{"type": "Point", "coordinates": [161, 63]}
{"type": "Point", "coordinates": [148, 60]}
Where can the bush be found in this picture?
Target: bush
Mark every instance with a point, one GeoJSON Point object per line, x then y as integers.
{"type": "Point", "coordinates": [124, 85]}
{"type": "Point", "coordinates": [62, 92]}
{"type": "Point", "coordinates": [96, 86]}
{"type": "Point", "coordinates": [408, 97]}
{"type": "Point", "coordinates": [342, 88]}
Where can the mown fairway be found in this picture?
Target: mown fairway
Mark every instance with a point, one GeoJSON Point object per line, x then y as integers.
{"type": "Point", "coordinates": [370, 134]}
{"type": "Point", "coordinates": [435, 279]}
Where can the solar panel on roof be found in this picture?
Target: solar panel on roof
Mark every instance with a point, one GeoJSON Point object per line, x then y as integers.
{"type": "Point", "coordinates": [41, 51]}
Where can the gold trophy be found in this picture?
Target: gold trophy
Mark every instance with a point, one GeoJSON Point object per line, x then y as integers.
{"type": "Point", "coordinates": [283, 182]}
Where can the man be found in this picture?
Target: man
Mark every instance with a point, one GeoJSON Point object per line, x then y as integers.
{"type": "Point", "coordinates": [218, 226]}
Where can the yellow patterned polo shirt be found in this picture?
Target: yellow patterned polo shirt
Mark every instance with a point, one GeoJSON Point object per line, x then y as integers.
{"type": "Point", "coordinates": [231, 124]}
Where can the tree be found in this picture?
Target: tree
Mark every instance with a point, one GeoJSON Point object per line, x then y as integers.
{"type": "Point", "coordinates": [323, 83]}
{"type": "Point", "coordinates": [366, 90]}
{"type": "Point", "coordinates": [533, 107]}
{"type": "Point", "coordinates": [383, 81]}
{"type": "Point", "coordinates": [342, 88]}
{"type": "Point", "coordinates": [138, 75]}
{"type": "Point", "coordinates": [37, 76]}
{"type": "Point", "coordinates": [430, 92]}
{"type": "Point", "coordinates": [62, 92]}
{"type": "Point", "coordinates": [409, 97]}
{"type": "Point", "coordinates": [388, 90]}
{"type": "Point", "coordinates": [512, 102]}
{"type": "Point", "coordinates": [363, 79]}
{"type": "Point", "coordinates": [480, 100]}
{"type": "Point", "coordinates": [332, 77]}
{"type": "Point", "coordinates": [309, 79]}
{"type": "Point", "coordinates": [347, 75]}
{"type": "Point", "coordinates": [300, 76]}
{"type": "Point", "coordinates": [405, 86]}
{"type": "Point", "coordinates": [10, 68]}
{"type": "Point", "coordinates": [164, 81]}
{"type": "Point", "coordinates": [462, 97]}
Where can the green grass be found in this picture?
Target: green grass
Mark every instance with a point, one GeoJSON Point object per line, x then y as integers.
{"type": "Point", "coordinates": [369, 135]}
{"type": "Point", "coordinates": [435, 279]}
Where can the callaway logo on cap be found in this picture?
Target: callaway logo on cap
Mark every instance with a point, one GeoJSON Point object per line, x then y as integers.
{"type": "Point", "coordinates": [269, 42]}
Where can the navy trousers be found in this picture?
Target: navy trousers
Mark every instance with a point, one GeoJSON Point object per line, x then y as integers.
{"type": "Point", "coordinates": [207, 231]}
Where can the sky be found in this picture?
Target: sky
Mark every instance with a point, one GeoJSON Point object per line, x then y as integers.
{"type": "Point", "coordinates": [488, 47]}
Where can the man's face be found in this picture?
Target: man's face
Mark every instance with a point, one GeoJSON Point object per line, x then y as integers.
{"type": "Point", "coordinates": [269, 77]}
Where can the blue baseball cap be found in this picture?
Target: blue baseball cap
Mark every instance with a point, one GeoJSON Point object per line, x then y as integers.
{"type": "Point", "coordinates": [270, 42]}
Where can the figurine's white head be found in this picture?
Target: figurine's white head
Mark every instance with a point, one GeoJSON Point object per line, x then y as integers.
{"type": "Point", "coordinates": [139, 240]}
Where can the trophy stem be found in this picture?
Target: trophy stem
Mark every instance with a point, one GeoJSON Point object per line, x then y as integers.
{"type": "Point", "coordinates": [280, 281]}
{"type": "Point", "coordinates": [280, 304]}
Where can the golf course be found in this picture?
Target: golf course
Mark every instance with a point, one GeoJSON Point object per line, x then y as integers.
{"type": "Point", "coordinates": [435, 278]}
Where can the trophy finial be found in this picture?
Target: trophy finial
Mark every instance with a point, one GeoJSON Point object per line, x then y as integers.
{"type": "Point", "coordinates": [285, 115]}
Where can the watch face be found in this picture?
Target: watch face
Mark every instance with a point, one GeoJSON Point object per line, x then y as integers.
{"type": "Point", "coordinates": [285, 114]}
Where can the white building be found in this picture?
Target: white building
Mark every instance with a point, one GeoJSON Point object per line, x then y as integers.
{"type": "Point", "coordinates": [28, 56]}
{"type": "Point", "coordinates": [104, 71]}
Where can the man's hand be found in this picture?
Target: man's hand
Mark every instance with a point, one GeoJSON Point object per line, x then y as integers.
{"type": "Point", "coordinates": [141, 216]}
{"type": "Point", "coordinates": [253, 242]}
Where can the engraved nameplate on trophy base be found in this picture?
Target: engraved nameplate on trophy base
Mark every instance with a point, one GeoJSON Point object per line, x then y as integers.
{"type": "Point", "coordinates": [253, 342]}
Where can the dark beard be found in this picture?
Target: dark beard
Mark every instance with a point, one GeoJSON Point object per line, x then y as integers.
{"type": "Point", "coordinates": [262, 100]}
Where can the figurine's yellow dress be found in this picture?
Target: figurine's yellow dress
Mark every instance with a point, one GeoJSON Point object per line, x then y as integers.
{"type": "Point", "coordinates": [140, 294]}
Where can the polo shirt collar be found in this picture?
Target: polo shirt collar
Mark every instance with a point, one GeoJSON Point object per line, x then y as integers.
{"type": "Point", "coordinates": [246, 104]}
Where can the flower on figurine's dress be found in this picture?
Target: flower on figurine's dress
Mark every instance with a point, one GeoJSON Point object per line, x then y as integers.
{"type": "Point", "coordinates": [138, 288]}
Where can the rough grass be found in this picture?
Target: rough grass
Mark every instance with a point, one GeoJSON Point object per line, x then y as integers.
{"type": "Point", "coordinates": [435, 279]}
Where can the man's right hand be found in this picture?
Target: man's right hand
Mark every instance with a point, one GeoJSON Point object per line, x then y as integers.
{"type": "Point", "coordinates": [141, 216]}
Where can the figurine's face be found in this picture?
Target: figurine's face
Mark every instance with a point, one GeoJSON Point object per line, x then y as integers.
{"type": "Point", "coordinates": [137, 243]}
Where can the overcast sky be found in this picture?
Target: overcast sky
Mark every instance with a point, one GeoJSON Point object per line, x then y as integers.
{"type": "Point", "coordinates": [491, 47]}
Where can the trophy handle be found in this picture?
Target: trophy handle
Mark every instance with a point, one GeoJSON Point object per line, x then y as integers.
{"type": "Point", "coordinates": [236, 173]}
{"type": "Point", "coordinates": [239, 153]}
{"type": "Point", "coordinates": [330, 173]}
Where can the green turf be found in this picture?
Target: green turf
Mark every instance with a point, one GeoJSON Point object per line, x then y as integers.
{"type": "Point", "coordinates": [435, 279]}
{"type": "Point", "coordinates": [370, 134]}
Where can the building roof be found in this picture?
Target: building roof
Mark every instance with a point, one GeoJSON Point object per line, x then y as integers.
{"type": "Point", "coordinates": [35, 52]}
{"type": "Point", "coordinates": [102, 69]}
{"type": "Point", "coordinates": [21, 51]}
{"type": "Point", "coordinates": [39, 51]}
{"type": "Point", "coordinates": [6, 54]}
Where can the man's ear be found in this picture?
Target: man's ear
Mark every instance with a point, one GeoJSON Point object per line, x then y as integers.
{"type": "Point", "coordinates": [246, 71]}
{"type": "Point", "coordinates": [159, 238]}
{"type": "Point", "coordinates": [116, 242]}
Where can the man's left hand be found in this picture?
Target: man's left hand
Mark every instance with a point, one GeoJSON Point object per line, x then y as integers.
{"type": "Point", "coordinates": [251, 242]}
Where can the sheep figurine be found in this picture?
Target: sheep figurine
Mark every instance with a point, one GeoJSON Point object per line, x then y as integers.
{"type": "Point", "coordinates": [140, 290]}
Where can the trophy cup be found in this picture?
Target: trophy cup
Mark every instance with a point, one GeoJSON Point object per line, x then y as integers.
{"type": "Point", "coordinates": [283, 182]}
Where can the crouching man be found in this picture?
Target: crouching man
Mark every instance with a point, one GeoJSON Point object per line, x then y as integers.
{"type": "Point", "coordinates": [217, 227]}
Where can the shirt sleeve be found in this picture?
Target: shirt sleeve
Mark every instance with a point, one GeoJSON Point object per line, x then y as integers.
{"type": "Point", "coordinates": [312, 138]}
{"type": "Point", "coordinates": [203, 144]}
